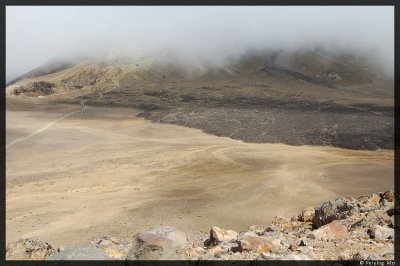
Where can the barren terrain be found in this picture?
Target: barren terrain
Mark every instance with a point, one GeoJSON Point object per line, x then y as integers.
{"type": "Point", "coordinates": [300, 98]}
{"type": "Point", "coordinates": [125, 146]}
{"type": "Point", "coordinates": [74, 173]}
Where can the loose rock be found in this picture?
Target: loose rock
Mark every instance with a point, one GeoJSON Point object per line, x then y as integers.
{"type": "Point", "coordinates": [381, 232]}
{"type": "Point", "coordinates": [252, 242]}
{"type": "Point", "coordinates": [218, 235]}
{"type": "Point", "coordinates": [29, 249]}
{"type": "Point", "coordinates": [333, 230]}
{"type": "Point", "coordinates": [334, 210]}
{"type": "Point", "coordinates": [307, 215]}
{"type": "Point", "coordinates": [160, 243]}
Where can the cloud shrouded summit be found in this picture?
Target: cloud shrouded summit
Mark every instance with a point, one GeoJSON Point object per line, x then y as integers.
{"type": "Point", "coordinates": [35, 35]}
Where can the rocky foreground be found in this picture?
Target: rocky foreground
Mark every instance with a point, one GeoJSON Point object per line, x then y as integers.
{"type": "Point", "coordinates": [341, 229]}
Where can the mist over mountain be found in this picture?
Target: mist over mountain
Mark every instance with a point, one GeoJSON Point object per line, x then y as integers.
{"type": "Point", "coordinates": [210, 35]}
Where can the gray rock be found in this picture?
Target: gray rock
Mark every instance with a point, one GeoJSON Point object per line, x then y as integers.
{"type": "Point", "coordinates": [197, 238]}
{"type": "Point", "coordinates": [367, 209]}
{"type": "Point", "coordinates": [334, 210]}
{"type": "Point", "coordinates": [304, 250]}
{"type": "Point", "coordinates": [381, 232]}
{"type": "Point", "coordinates": [231, 246]}
{"type": "Point", "coordinates": [80, 253]}
{"type": "Point", "coordinates": [361, 223]}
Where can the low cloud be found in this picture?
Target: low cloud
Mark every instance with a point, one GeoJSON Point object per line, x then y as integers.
{"type": "Point", "coordinates": [35, 35]}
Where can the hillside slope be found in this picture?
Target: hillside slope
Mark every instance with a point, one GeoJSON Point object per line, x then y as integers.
{"type": "Point", "coordinates": [306, 97]}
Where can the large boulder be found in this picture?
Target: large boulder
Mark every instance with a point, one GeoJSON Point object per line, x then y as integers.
{"type": "Point", "coordinates": [161, 243]}
{"type": "Point", "coordinates": [331, 231]}
{"type": "Point", "coordinates": [334, 210]}
{"type": "Point", "coordinates": [83, 252]}
{"type": "Point", "coordinates": [218, 235]}
{"type": "Point", "coordinates": [29, 249]}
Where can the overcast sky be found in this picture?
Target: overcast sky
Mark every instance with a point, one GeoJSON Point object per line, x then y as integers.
{"type": "Point", "coordinates": [35, 35]}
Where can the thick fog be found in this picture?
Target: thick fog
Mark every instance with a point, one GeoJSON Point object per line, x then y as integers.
{"type": "Point", "coordinates": [35, 35]}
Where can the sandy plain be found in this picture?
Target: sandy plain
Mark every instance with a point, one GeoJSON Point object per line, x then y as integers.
{"type": "Point", "coordinates": [73, 174]}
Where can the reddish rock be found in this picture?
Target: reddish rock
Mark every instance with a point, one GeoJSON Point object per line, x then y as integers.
{"type": "Point", "coordinates": [251, 242]}
{"type": "Point", "coordinates": [333, 230]}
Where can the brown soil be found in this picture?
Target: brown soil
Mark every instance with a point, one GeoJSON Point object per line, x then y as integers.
{"type": "Point", "coordinates": [105, 171]}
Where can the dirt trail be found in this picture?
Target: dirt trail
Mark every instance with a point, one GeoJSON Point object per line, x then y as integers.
{"type": "Point", "coordinates": [45, 127]}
